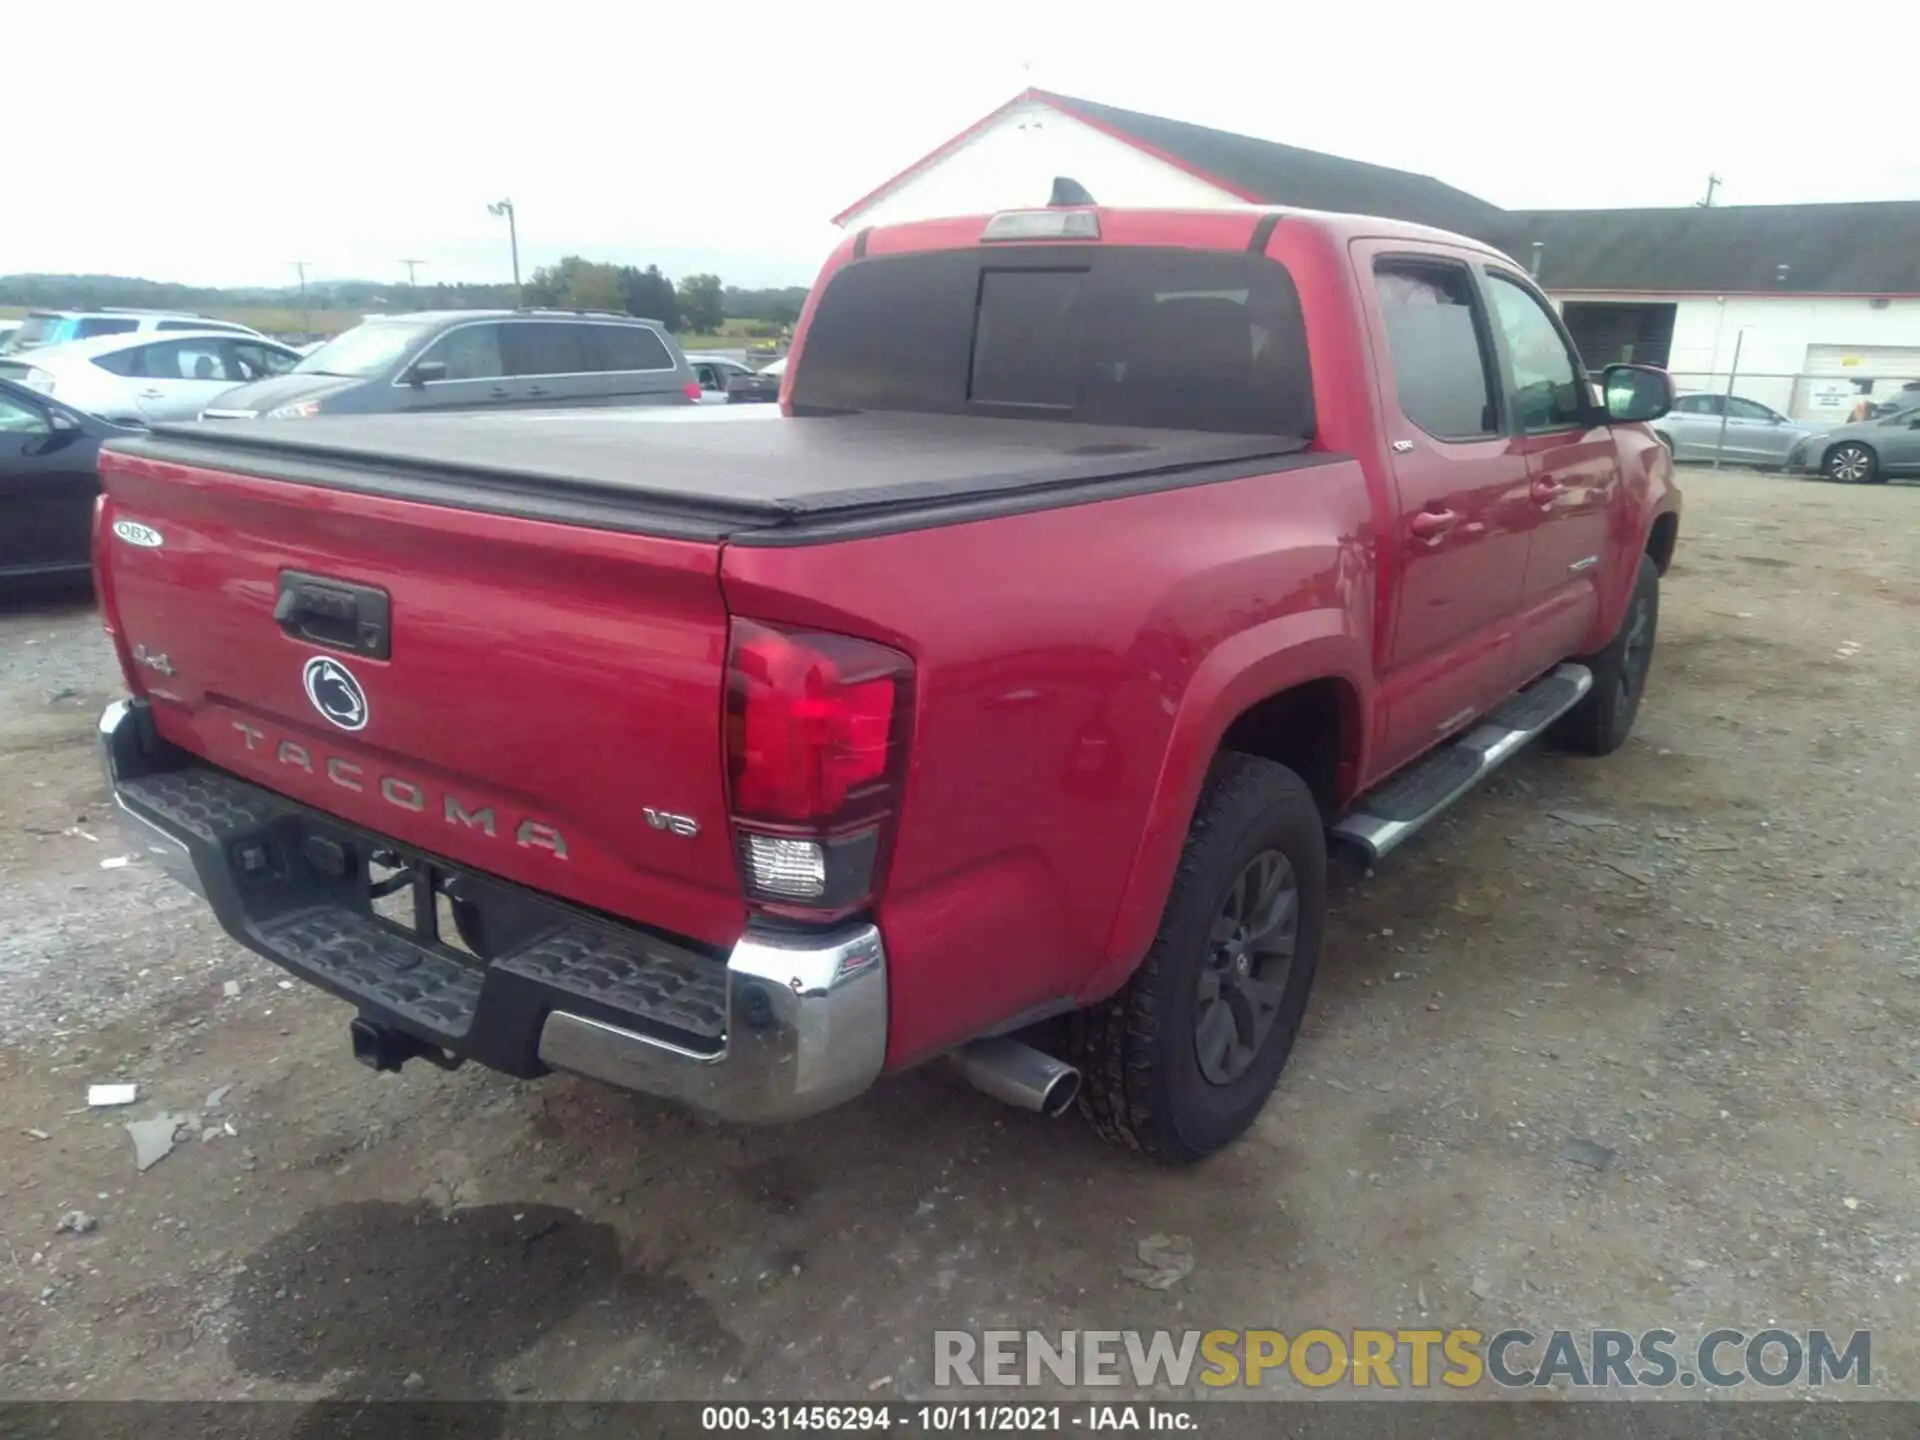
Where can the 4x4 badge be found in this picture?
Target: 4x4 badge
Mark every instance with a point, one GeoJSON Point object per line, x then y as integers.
{"type": "Point", "coordinates": [335, 693]}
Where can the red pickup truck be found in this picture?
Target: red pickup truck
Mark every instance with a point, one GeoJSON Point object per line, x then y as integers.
{"type": "Point", "coordinates": [1097, 567]}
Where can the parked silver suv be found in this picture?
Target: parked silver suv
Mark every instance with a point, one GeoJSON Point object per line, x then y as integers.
{"type": "Point", "coordinates": [475, 360]}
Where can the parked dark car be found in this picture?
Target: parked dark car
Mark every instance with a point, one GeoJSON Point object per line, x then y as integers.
{"type": "Point", "coordinates": [754, 387]}
{"type": "Point", "coordinates": [474, 360]}
{"type": "Point", "coordinates": [48, 482]}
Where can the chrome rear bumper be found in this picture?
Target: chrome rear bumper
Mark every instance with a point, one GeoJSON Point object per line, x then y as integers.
{"type": "Point", "coordinates": [806, 1030]}
{"type": "Point", "coordinates": [794, 1023]}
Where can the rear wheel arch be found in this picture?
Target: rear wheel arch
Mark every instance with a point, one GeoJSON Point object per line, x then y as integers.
{"type": "Point", "coordinates": [1318, 723]}
{"type": "Point", "coordinates": [1313, 728]}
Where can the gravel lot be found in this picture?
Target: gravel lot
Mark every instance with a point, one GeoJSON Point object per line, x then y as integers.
{"type": "Point", "coordinates": [1700, 954]}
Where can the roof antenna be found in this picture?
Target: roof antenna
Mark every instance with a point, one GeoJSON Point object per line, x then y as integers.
{"type": "Point", "coordinates": [1069, 192]}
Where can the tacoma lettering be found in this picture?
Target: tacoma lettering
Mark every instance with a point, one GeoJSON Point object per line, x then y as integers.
{"type": "Point", "coordinates": [405, 794]}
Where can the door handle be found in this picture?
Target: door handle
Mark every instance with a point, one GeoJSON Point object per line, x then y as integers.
{"type": "Point", "coordinates": [153, 394]}
{"type": "Point", "coordinates": [1544, 490]}
{"type": "Point", "coordinates": [537, 390]}
{"type": "Point", "coordinates": [1432, 524]}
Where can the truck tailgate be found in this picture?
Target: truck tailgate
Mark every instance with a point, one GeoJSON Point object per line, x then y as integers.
{"type": "Point", "coordinates": [548, 707]}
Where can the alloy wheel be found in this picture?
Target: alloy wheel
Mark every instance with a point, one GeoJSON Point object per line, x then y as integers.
{"type": "Point", "coordinates": [1249, 957]}
{"type": "Point", "coordinates": [1849, 464]}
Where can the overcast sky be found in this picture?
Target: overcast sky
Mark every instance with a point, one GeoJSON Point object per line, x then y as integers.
{"type": "Point", "coordinates": [217, 144]}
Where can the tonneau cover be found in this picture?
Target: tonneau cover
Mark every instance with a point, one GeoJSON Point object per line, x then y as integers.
{"type": "Point", "coordinates": [653, 471]}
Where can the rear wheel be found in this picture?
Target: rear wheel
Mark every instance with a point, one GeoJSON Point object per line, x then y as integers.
{"type": "Point", "coordinates": [1604, 718]}
{"type": "Point", "coordinates": [1852, 464]}
{"type": "Point", "coordinates": [1181, 1061]}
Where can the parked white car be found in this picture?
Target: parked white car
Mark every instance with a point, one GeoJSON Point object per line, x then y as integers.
{"type": "Point", "coordinates": [143, 378]}
{"type": "Point", "coordinates": [62, 327]}
{"type": "Point", "coordinates": [713, 372]}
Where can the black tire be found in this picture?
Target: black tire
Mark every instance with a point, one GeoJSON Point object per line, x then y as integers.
{"type": "Point", "coordinates": [1601, 722]}
{"type": "Point", "coordinates": [1851, 463]}
{"type": "Point", "coordinates": [1143, 1080]}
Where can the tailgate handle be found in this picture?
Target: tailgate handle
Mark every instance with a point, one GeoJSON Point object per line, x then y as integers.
{"type": "Point", "coordinates": [335, 613]}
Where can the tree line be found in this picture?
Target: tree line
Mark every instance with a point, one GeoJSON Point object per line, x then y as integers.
{"type": "Point", "coordinates": [698, 304]}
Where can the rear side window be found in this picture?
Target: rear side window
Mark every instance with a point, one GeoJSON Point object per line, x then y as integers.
{"type": "Point", "coordinates": [96, 325]}
{"type": "Point", "coordinates": [121, 362]}
{"type": "Point", "coordinates": [1172, 339]}
{"type": "Point", "coordinates": [184, 360]}
{"type": "Point", "coordinates": [629, 347]}
{"type": "Point", "coordinates": [1441, 371]}
{"type": "Point", "coordinates": [542, 348]}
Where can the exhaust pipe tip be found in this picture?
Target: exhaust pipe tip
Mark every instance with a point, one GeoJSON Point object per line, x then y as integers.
{"type": "Point", "coordinates": [1020, 1075]}
{"type": "Point", "coordinates": [1060, 1095]}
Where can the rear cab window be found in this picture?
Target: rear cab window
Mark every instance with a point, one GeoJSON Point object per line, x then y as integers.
{"type": "Point", "coordinates": [1125, 335]}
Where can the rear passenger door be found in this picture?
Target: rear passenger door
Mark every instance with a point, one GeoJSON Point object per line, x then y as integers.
{"type": "Point", "coordinates": [552, 362]}
{"type": "Point", "coordinates": [176, 378]}
{"type": "Point", "coordinates": [1573, 474]}
{"type": "Point", "coordinates": [1459, 543]}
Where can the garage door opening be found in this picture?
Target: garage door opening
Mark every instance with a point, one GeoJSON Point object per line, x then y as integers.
{"type": "Point", "coordinates": [1608, 332]}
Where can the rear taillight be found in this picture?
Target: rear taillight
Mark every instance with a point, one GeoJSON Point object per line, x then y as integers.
{"type": "Point", "coordinates": [816, 752]}
{"type": "Point", "coordinates": [692, 390]}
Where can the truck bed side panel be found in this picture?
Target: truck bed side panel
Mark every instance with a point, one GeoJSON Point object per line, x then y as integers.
{"type": "Point", "coordinates": [1054, 650]}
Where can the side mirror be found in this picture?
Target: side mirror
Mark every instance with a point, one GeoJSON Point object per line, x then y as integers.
{"type": "Point", "coordinates": [1914, 423]}
{"type": "Point", "coordinates": [1636, 393]}
{"type": "Point", "coordinates": [425, 372]}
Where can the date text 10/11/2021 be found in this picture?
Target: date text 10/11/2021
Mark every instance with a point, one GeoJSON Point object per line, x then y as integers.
{"type": "Point", "coordinates": [950, 1419]}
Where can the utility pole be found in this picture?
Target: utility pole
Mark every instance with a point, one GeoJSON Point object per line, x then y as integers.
{"type": "Point", "coordinates": [505, 207]}
{"type": "Point", "coordinates": [411, 264]}
{"type": "Point", "coordinates": [306, 321]}
{"type": "Point", "coordinates": [1713, 184]}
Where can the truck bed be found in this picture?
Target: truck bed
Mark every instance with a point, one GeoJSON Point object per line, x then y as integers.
{"type": "Point", "coordinates": [745, 479]}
